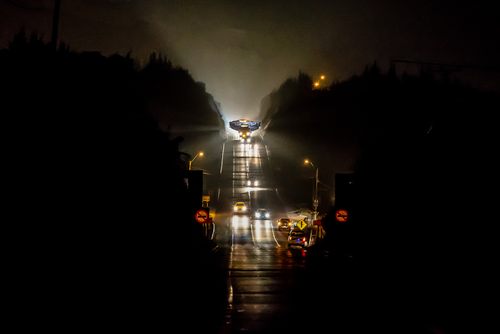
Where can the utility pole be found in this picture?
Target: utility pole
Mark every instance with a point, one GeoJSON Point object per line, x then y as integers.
{"type": "Point", "coordinates": [55, 24]}
{"type": "Point", "coordinates": [316, 202]}
{"type": "Point", "coordinates": [315, 196]}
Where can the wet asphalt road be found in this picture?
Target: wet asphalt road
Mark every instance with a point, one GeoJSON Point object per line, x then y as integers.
{"type": "Point", "coordinates": [271, 288]}
{"type": "Point", "coordinates": [262, 274]}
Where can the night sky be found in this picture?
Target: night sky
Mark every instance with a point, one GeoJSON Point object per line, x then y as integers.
{"type": "Point", "coordinates": [244, 49]}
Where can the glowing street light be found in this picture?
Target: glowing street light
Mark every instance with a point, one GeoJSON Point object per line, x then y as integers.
{"type": "Point", "coordinates": [315, 198]}
{"type": "Point", "coordinates": [196, 156]}
{"type": "Point", "coordinates": [317, 83]}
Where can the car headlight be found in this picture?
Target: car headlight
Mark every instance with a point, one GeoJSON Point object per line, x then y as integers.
{"type": "Point", "coordinates": [249, 183]}
{"type": "Point", "coordinates": [267, 215]}
{"type": "Point", "coordinates": [256, 183]}
{"type": "Point", "coordinates": [244, 208]}
{"type": "Point", "coordinates": [235, 208]}
{"type": "Point", "coordinates": [257, 215]}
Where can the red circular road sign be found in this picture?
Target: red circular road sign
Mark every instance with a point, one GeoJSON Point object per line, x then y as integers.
{"type": "Point", "coordinates": [201, 216]}
{"type": "Point", "coordinates": [341, 216]}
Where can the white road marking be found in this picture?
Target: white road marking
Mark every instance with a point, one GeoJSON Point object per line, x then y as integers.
{"type": "Point", "coordinates": [279, 246]}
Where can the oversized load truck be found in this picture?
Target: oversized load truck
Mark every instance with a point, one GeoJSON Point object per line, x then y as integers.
{"type": "Point", "coordinates": [244, 128]}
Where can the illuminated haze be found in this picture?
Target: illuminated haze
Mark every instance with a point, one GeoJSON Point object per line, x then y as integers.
{"type": "Point", "coordinates": [243, 50]}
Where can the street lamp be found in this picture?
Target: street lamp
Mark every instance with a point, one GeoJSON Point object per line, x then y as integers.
{"type": "Point", "coordinates": [315, 198]}
{"type": "Point", "coordinates": [196, 156]}
{"type": "Point", "coordinates": [318, 83]}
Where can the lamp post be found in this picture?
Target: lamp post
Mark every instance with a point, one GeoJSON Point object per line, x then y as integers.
{"type": "Point", "coordinates": [55, 24]}
{"type": "Point", "coordinates": [315, 198]}
{"type": "Point", "coordinates": [196, 156]}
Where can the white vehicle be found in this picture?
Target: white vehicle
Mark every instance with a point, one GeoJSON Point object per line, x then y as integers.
{"type": "Point", "coordinates": [252, 182]}
{"type": "Point", "coordinates": [262, 214]}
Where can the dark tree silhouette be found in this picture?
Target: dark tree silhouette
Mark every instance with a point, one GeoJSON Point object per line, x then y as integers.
{"type": "Point", "coordinates": [95, 185]}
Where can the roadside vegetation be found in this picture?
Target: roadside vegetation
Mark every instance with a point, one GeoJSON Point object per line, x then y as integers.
{"type": "Point", "coordinates": [95, 184]}
{"type": "Point", "coordinates": [421, 151]}
{"type": "Point", "coordinates": [93, 131]}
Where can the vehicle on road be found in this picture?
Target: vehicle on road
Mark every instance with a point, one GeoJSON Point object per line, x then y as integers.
{"type": "Point", "coordinates": [252, 182]}
{"type": "Point", "coordinates": [262, 214]}
{"type": "Point", "coordinates": [297, 238]}
{"type": "Point", "coordinates": [284, 223]}
{"type": "Point", "coordinates": [244, 128]}
{"type": "Point", "coordinates": [240, 207]}
{"type": "Point", "coordinates": [244, 124]}
{"type": "Point", "coordinates": [245, 135]}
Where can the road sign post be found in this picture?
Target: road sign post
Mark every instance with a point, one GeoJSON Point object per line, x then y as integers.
{"type": "Point", "coordinates": [201, 215]}
{"type": "Point", "coordinates": [301, 224]}
{"type": "Point", "coordinates": [318, 224]}
{"type": "Point", "coordinates": [205, 200]}
{"type": "Point", "coordinates": [341, 216]}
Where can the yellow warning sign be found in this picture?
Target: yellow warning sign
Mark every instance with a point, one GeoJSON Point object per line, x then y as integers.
{"type": "Point", "coordinates": [301, 224]}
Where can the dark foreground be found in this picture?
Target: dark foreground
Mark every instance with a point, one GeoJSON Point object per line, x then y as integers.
{"type": "Point", "coordinates": [245, 280]}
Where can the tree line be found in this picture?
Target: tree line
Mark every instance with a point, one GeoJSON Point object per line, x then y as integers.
{"type": "Point", "coordinates": [421, 152]}
{"type": "Point", "coordinates": [105, 119]}
{"type": "Point", "coordinates": [94, 182]}
{"type": "Point", "coordinates": [422, 156]}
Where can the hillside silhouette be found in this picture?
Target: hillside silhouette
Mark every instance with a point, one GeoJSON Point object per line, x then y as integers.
{"type": "Point", "coordinates": [421, 152]}
{"type": "Point", "coordinates": [101, 118]}
{"type": "Point", "coordinates": [95, 183]}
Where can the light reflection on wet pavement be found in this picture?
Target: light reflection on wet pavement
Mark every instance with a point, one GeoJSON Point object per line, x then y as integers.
{"type": "Point", "coordinates": [267, 287]}
{"type": "Point", "coordinates": [271, 288]}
